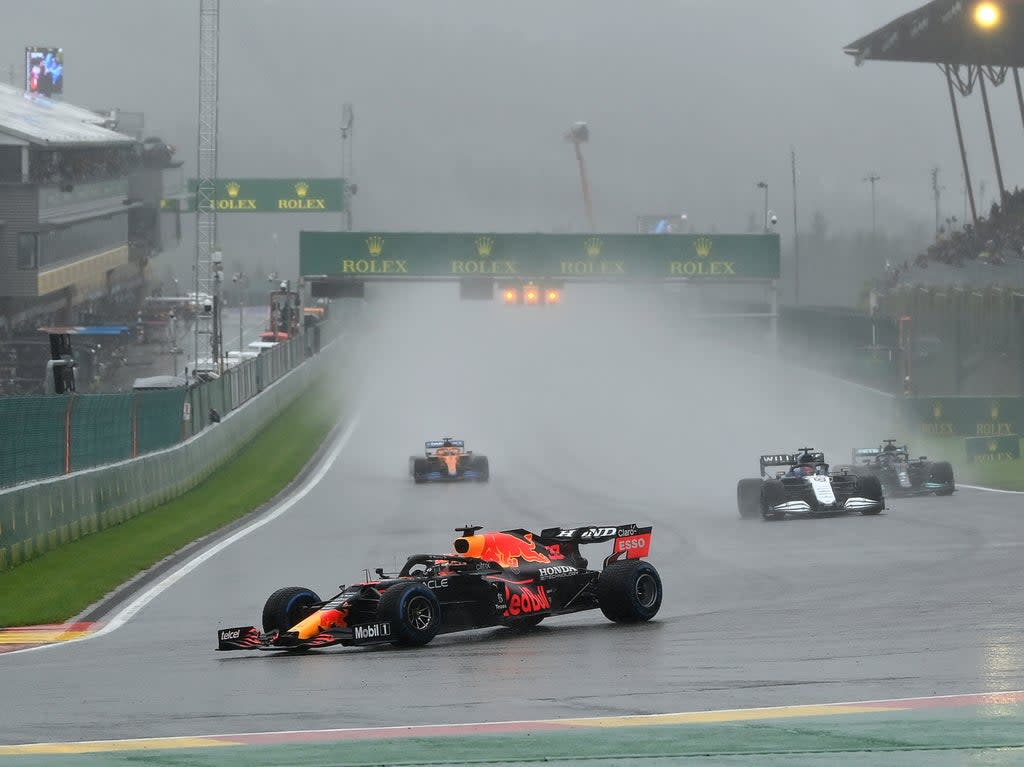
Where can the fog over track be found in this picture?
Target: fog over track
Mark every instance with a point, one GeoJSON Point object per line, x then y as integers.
{"type": "Point", "coordinates": [608, 408]}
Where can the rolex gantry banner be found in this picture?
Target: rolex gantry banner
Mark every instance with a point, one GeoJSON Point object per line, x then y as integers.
{"type": "Point", "coordinates": [611, 257]}
{"type": "Point", "coordinates": [268, 195]}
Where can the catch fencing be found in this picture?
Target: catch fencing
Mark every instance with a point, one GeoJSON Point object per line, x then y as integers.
{"type": "Point", "coordinates": [117, 455]}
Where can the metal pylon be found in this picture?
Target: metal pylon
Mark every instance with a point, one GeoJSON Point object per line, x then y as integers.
{"type": "Point", "coordinates": [207, 268]}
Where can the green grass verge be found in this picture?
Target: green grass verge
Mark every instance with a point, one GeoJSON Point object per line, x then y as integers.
{"type": "Point", "coordinates": [1005, 475]}
{"type": "Point", "coordinates": [62, 583]}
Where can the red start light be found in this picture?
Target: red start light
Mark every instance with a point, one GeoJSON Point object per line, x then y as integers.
{"type": "Point", "coordinates": [510, 296]}
{"type": "Point", "coordinates": [552, 296]}
{"type": "Point", "coordinates": [531, 295]}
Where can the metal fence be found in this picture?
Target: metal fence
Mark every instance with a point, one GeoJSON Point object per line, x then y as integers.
{"type": "Point", "coordinates": [39, 515]}
{"type": "Point", "coordinates": [45, 436]}
{"type": "Point", "coordinates": [962, 341]}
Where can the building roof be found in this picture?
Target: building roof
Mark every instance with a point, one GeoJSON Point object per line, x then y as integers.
{"type": "Point", "coordinates": [45, 122]}
{"type": "Point", "coordinates": [945, 32]}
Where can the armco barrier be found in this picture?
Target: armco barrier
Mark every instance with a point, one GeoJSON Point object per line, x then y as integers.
{"type": "Point", "coordinates": [41, 515]}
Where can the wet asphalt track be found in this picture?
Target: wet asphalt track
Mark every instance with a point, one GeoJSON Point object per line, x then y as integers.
{"type": "Point", "coordinates": [596, 413]}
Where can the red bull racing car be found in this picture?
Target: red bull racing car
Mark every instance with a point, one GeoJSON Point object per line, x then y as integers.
{"type": "Point", "coordinates": [511, 578]}
{"type": "Point", "coordinates": [447, 460]}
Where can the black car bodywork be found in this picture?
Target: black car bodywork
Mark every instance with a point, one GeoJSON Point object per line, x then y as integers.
{"type": "Point", "coordinates": [902, 475]}
{"type": "Point", "coordinates": [509, 578]}
{"type": "Point", "coordinates": [818, 492]}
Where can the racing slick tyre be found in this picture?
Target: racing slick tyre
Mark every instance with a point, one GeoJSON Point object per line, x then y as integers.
{"type": "Point", "coordinates": [772, 494]}
{"type": "Point", "coordinates": [413, 611]}
{"type": "Point", "coordinates": [871, 487]}
{"type": "Point", "coordinates": [419, 470]}
{"type": "Point", "coordinates": [943, 472]}
{"type": "Point", "coordinates": [482, 467]}
{"type": "Point", "coordinates": [286, 607]}
{"type": "Point", "coordinates": [748, 497]}
{"type": "Point", "coordinates": [629, 591]}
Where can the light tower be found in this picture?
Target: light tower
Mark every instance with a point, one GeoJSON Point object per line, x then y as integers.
{"type": "Point", "coordinates": [348, 189]}
{"type": "Point", "coordinates": [207, 265]}
{"type": "Point", "coordinates": [579, 134]}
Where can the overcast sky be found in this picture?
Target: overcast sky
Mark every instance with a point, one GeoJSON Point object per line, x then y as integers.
{"type": "Point", "coordinates": [461, 105]}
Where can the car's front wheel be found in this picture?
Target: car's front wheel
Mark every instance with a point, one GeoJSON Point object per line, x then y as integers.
{"type": "Point", "coordinates": [871, 487]}
{"type": "Point", "coordinates": [288, 606]}
{"type": "Point", "coordinates": [413, 612]}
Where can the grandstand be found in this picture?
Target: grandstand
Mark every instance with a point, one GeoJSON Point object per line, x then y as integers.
{"type": "Point", "coordinates": [975, 45]}
{"type": "Point", "coordinates": [964, 295]}
{"type": "Point", "coordinates": [79, 222]}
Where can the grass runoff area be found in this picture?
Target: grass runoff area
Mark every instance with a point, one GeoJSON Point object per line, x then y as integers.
{"type": "Point", "coordinates": [1002, 475]}
{"type": "Point", "coordinates": [62, 583]}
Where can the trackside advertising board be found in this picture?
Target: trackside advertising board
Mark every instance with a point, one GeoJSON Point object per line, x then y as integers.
{"type": "Point", "coordinates": [612, 257]}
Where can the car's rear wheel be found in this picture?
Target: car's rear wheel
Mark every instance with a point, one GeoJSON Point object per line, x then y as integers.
{"type": "Point", "coordinates": [413, 612]}
{"type": "Point", "coordinates": [943, 472]}
{"type": "Point", "coordinates": [629, 591]}
{"type": "Point", "coordinates": [748, 497]}
{"type": "Point", "coordinates": [419, 470]}
{"type": "Point", "coordinates": [288, 606]}
{"type": "Point", "coordinates": [482, 467]}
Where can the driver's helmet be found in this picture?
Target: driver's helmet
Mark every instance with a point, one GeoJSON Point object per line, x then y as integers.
{"type": "Point", "coordinates": [889, 448]}
{"type": "Point", "coordinates": [805, 465]}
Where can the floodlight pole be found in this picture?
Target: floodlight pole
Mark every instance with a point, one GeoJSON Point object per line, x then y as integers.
{"type": "Point", "coordinates": [796, 234]}
{"type": "Point", "coordinates": [1020, 97]}
{"type": "Point", "coordinates": [764, 221]}
{"type": "Point", "coordinates": [992, 138]}
{"type": "Point", "coordinates": [873, 178]}
{"type": "Point", "coordinates": [960, 141]}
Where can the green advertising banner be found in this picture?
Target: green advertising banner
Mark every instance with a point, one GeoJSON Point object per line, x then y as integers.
{"type": "Point", "coordinates": [267, 195]}
{"type": "Point", "coordinates": [993, 449]}
{"type": "Point", "coordinates": [968, 416]}
{"type": "Point", "coordinates": [389, 255]}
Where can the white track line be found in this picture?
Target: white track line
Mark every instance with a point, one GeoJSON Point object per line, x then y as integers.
{"type": "Point", "coordinates": [578, 721]}
{"type": "Point", "coordinates": [991, 489]}
{"type": "Point", "coordinates": [129, 611]}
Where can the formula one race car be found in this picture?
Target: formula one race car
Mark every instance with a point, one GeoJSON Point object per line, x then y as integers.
{"type": "Point", "coordinates": [807, 489]}
{"type": "Point", "coordinates": [447, 460]}
{"type": "Point", "coordinates": [902, 475]}
{"type": "Point", "coordinates": [511, 578]}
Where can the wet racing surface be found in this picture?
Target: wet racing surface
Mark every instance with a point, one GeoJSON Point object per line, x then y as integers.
{"type": "Point", "coordinates": [590, 413]}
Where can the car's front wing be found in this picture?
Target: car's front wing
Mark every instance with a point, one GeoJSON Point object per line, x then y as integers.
{"type": "Point", "coordinates": [851, 504]}
{"type": "Point", "coordinates": [251, 638]}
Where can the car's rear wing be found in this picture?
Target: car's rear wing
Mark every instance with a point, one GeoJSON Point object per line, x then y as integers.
{"type": "Point", "coordinates": [866, 454]}
{"type": "Point", "coordinates": [433, 443]}
{"type": "Point", "coordinates": [787, 459]}
{"type": "Point", "coordinates": [628, 540]}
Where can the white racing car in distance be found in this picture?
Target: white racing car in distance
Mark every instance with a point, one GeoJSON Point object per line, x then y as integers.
{"type": "Point", "coordinates": [807, 488]}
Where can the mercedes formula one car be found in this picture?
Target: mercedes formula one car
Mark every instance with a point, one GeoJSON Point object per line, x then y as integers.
{"type": "Point", "coordinates": [902, 475]}
{"type": "Point", "coordinates": [509, 578]}
{"type": "Point", "coordinates": [807, 488]}
{"type": "Point", "coordinates": [447, 460]}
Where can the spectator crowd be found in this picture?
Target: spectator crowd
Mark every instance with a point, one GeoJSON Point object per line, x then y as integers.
{"type": "Point", "coordinates": [79, 166]}
{"type": "Point", "coordinates": [994, 240]}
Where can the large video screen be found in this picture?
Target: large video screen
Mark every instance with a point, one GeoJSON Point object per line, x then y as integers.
{"type": "Point", "coordinates": [44, 70]}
